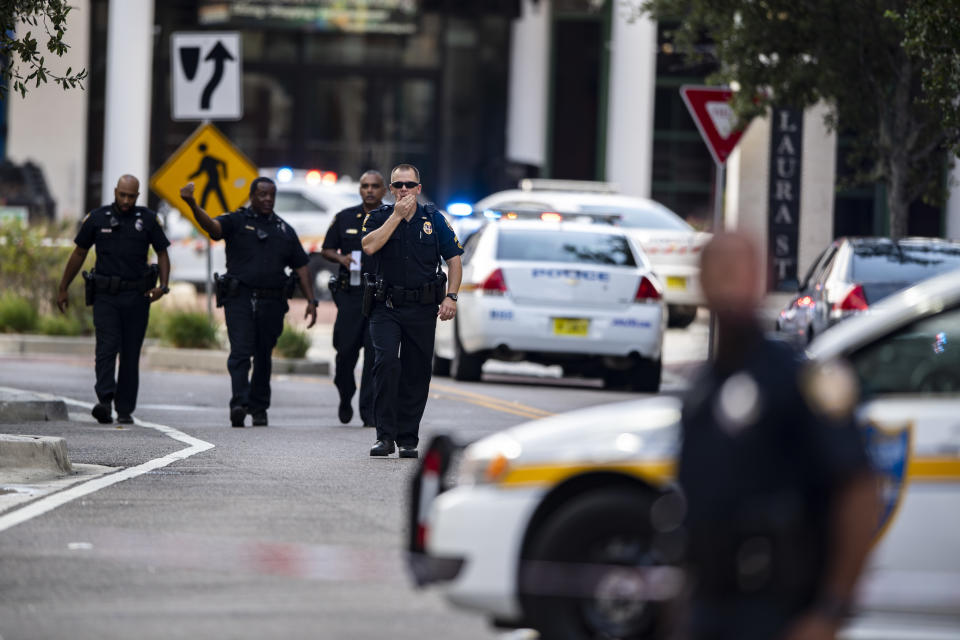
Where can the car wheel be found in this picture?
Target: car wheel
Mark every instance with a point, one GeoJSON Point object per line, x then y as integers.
{"type": "Point", "coordinates": [645, 376]}
{"type": "Point", "coordinates": [609, 533]}
{"type": "Point", "coordinates": [464, 366]}
{"type": "Point", "coordinates": [441, 366]}
{"type": "Point", "coordinates": [680, 317]}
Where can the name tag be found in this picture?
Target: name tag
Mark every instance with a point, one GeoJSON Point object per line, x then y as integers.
{"type": "Point", "coordinates": [106, 230]}
{"type": "Point", "coordinates": [249, 227]}
{"type": "Point", "coordinates": [353, 232]}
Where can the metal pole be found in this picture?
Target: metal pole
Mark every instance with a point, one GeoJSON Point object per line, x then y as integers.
{"type": "Point", "coordinates": [717, 228]}
{"type": "Point", "coordinates": [209, 283]}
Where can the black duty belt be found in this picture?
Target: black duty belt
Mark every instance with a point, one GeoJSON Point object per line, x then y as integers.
{"type": "Point", "coordinates": [267, 293]}
{"type": "Point", "coordinates": [425, 293]}
{"type": "Point", "coordinates": [114, 284]}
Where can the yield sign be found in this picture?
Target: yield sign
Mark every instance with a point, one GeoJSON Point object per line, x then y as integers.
{"type": "Point", "coordinates": [219, 171]}
{"type": "Point", "coordinates": [711, 110]}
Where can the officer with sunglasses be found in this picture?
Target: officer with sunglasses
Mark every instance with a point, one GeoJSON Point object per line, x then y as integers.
{"type": "Point", "coordinates": [121, 288]}
{"type": "Point", "coordinates": [259, 247]}
{"type": "Point", "coordinates": [409, 240]}
{"type": "Point", "coordinates": [350, 330]}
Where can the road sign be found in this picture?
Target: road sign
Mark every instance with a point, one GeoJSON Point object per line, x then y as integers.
{"type": "Point", "coordinates": [219, 171]}
{"type": "Point", "coordinates": [205, 71]}
{"type": "Point", "coordinates": [711, 110]}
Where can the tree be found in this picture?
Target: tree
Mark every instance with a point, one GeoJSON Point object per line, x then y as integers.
{"type": "Point", "coordinates": [865, 58]}
{"type": "Point", "coordinates": [24, 61]}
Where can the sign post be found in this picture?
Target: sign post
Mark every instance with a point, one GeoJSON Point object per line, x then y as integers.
{"type": "Point", "coordinates": [221, 175]}
{"type": "Point", "coordinates": [711, 111]}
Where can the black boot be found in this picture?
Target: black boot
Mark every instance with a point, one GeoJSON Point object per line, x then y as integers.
{"type": "Point", "coordinates": [383, 447]}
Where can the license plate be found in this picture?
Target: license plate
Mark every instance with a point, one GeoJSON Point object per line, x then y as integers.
{"type": "Point", "coordinates": [676, 282]}
{"type": "Point", "coordinates": [571, 326]}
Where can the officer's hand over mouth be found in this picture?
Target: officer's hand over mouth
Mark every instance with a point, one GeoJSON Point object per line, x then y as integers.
{"type": "Point", "coordinates": [448, 309]}
{"type": "Point", "coordinates": [186, 192]}
{"type": "Point", "coordinates": [311, 313]}
{"type": "Point", "coordinates": [406, 206]}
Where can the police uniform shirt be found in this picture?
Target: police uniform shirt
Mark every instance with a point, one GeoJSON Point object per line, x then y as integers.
{"type": "Point", "coordinates": [409, 259]}
{"type": "Point", "coordinates": [345, 235]}
{"type": "Point", "coordinates": [762, 453]}
{"type": "Point", "coordinates": [122, 240]}
{"type": "Point", "coordinates": [260, 247]}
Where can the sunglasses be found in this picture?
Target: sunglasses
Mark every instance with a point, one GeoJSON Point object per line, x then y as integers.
{"type": "Point", "coordinates": [373, 185]}
{"type": "Point", "coordinates": [409, 184]}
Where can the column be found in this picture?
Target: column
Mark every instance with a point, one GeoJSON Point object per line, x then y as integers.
{"type": "Point", "coordinates": [529, 78]}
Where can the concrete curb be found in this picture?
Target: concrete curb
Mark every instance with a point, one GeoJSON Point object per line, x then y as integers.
{"type": "Point", "coordinates": [34, 453]}
{"type": "Point", "coordinates": [215, 361]}
{"type": "Point", "coordinates": [30, 407]}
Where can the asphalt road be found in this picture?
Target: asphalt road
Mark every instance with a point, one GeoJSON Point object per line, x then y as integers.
{"type": "Point", "coordinates": [289, 531]}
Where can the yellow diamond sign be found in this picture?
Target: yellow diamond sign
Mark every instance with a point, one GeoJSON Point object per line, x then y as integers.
{"type": "Point", "coordinates": [220, 172]}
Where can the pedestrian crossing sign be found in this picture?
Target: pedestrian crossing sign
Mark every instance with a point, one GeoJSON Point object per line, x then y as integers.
{"type": "Point", "coordinates": [221, 174]}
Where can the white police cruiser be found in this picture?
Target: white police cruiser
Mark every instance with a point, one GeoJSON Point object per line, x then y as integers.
{"type": "Point", "coordinates": [582, 296]}
{"type": "Point", "coordinates": [494, 524]}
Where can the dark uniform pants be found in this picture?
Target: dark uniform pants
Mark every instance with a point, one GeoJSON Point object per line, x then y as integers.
{"type": "Point", "coordinates": [120, 321]}
{"type": "Point", "coordinates": [741, 618]}
{"type": "Point", "coordinates": [350, 333]}
{"type": "Point", "coordinates": [403, 343]}
{"type": "Point", "coordinates": [253, 326]}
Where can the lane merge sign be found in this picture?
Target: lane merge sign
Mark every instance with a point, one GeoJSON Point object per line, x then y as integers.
{"type": "Point", "coordinates": [711, 111]}
{"type": "Point", "coordinates": [206, 74]}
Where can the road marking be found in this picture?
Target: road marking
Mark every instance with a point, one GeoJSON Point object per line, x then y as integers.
{"type": "Point", "coordinates": [49, 503]}
{"type": "Point", "coordinates": [491, 402]}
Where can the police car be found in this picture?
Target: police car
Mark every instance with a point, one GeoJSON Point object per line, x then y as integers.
{"type": "Point", "coordinates": [582, 296]}
{"type": "Point", "coordinates": [672, 245]}
{"type": "Point", "coordinates": [494, 525]}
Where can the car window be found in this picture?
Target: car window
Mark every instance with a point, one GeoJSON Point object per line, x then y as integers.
{"type": "Point", "coordinates": [921, 358]}
{"type": "Point", "coordinates": [470, 246]}
{"type": "Point", "coordinates": [294, 202]}
{"type": "Point", "coordinates": [814, 266]}
{"type": "Point", "coordinates": [654, 216]}
{"type": "Point", "coordinates": [902, 263]}
{"type": "Point", "coordinates": [564, 246]}
{"type": "Point", "coordinates": [825, 264]}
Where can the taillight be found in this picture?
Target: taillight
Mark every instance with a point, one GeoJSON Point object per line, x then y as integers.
{"type": "Point", "coordinates": [494, 284]}
{"type": "Point", "coordinates": [551, 216]}
{"type": "Point", "coordinates": [854, 300]}
{"type": "Point", "coordinates": [646, 291]}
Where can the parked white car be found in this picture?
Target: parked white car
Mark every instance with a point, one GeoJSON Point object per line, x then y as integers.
{"type": "Point", "coordinates": [535, 495]}
{"type": "Point", "coordinates": [672, 245]}
{"type": "Point", "coordinates": [581, 296]}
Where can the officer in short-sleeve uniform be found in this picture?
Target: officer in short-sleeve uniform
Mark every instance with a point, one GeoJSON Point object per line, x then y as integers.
{"type": "Point", "coordinates": [769, 447]}
{"type": "Point", "coordinates": [124, 288]}
{"type": "Point", "coordinates": [351, 328]}
{"type": "Point", "coordinates": [402, 327]}
{"type": "Point", "coordinates": [259, 248]}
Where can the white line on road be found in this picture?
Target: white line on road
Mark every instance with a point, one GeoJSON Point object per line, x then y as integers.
{"type": "Point", "coordinates": [50, 503]}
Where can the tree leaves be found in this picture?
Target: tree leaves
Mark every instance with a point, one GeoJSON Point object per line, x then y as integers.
{"type": "Point", "coordinates": [24, 62]}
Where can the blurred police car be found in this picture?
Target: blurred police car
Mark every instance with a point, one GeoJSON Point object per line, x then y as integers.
{"type": "Point", "coordinates": [672, 245]}
{"type": "Point", "coordinates": [582, 296]}
{"type": "Point", "coordinates": [497, 525]}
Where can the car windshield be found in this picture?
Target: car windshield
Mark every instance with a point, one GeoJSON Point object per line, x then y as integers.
{"type": "Point", "coordinates": [294, 202]}
{"type": "Point", "coordinates": [565, 246]}
{"type": "Point", "coordinates": [653, 216]}
{"type": "Point", "coordinates": [903, 263]}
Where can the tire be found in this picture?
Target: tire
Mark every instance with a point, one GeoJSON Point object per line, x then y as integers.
{"type": "Point", "coordinates": [441, 366]}
{"type": "Point", "coordinates": [680, 317]}
{"type": "Point", "coordinates": [645, 376]}
{"type": "Point", "coordinates": [603, 528]}
{"type": "Point", "coordinates": [464, 366]}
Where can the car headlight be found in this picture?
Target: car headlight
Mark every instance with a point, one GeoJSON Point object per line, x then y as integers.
{"type": "Point", "coordinates": [488, 460]}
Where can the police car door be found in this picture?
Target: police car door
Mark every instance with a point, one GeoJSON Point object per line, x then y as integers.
{"type": "Point", "coordinates": [911, 381]}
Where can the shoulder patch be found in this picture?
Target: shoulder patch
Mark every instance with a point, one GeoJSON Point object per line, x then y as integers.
{"type": "Point", "coordinates": [85, 218]}
{"type": "Point", "coordinates": [830, 388]}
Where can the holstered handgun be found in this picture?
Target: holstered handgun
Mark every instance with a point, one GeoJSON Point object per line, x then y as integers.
{"type": "Point", "coordinates": [219, 289]}
{"type": "Point", "coordinates": [369, 292]}
{"type": "Point", "coordinates": [151, 278]}
{"type": "Point", "coordinates": [440, 287]}
{"type": "Point", "coordinates": [89, 288]}
{"type": "Point", "coordinates": [334, 284]}
{"type": "Point", "coordinates": [290, 285]}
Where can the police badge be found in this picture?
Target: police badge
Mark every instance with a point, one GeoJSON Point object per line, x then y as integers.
{"type": "Point", "coordinates": [138, 224]}
{"type": "Point", "coordinates": [427, 227]}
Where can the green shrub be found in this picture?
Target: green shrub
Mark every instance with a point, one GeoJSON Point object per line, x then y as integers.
{"type": "Point", "coordinates": [17, 315]}
{"type": "Point", "coordinates": [61, 325]}
{"type": "Point", "coordinates": [189, 330]}
{"type": "Point", "coordinates": [158, 322]}
{"type": "Point", "coordinates": [293, 343]}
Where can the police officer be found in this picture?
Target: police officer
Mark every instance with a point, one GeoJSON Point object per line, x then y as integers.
{"type": "Point", "coordinates": [409, 240]}
{"type": "Point", "coordinates": [350, 330]}
{"type": "Point", "coordinates": [123, 287]}
{"type": "Point", "coordinates": [259, 247]}
{"type": "Point", "coordinates": [781, 500]}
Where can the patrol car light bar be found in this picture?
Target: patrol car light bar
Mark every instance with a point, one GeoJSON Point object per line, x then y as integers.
{"type": "Point", "coordinates": [543, 184]}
